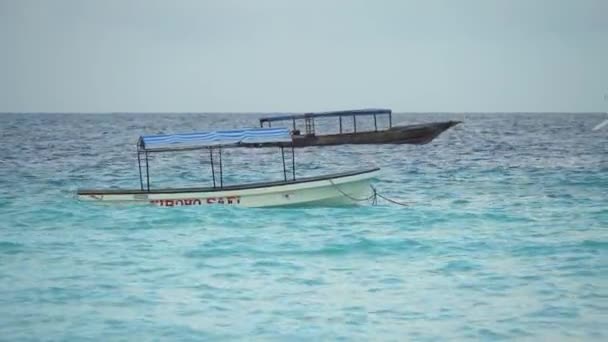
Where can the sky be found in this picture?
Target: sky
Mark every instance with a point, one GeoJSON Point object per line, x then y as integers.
{"type": "Point", "coordinates": [301, 56]}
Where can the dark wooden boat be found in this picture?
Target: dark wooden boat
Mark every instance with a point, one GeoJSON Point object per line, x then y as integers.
{"type": "Point", "coordinates": [408, 134]}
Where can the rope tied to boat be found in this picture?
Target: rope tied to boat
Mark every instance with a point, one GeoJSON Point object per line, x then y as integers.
{"type": "Point", "coordinates": [376, 194]}
{"type": "Point", "coordinates": [373, 197]}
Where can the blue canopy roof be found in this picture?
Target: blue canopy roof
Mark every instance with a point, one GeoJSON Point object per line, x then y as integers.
{"type": "Point", "coordinates": [355, 112]}
{"type": "Point", "coordinates": [185, 141]}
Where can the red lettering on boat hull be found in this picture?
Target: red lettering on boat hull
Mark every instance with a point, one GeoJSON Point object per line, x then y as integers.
{"type": "Point", "coordinates": [197, 201]}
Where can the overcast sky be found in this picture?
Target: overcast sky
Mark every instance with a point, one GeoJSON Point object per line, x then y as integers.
{"type": "Point", "coordinates": [293, 56]}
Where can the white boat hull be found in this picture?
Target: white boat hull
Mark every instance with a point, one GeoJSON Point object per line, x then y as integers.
{"type": "Point", "coordinates": [338, 190]}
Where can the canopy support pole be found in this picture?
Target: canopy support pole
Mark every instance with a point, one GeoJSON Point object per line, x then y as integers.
{"type": "Point", "coordinates": [294, 124]}
{"type": "Point", "coordinates": [340, 124]}
{"type": "Point", "coordinates": [212, 168]}
{"type": "Point", "coordinates": [293, 162]}
{"type": "Point", "coordinates": [141, 179]}
{"type": "Point", "coordinates": [284, 169]}
{"type": "Point", "coordinates": [375, 124]}
{"type": "Point", "coordinates": [390, 120]}
{"type": "Point", "coordinates": [147, 172]}
{"type": "Point", "coordinates": [355, 122]}
{"type": "Point", "coordinates": [221, 173]}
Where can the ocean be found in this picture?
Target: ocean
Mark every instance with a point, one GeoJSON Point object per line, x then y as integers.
{"type": "Point", "coordinates": [505, 236]}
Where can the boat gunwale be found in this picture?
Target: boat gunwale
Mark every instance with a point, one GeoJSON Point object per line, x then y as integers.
{"type": "Point", "coordinates": [248, 186]}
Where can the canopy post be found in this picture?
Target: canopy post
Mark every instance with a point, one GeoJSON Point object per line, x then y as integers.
{"type": "Point", "coordinates": [308, 124]}
{"type": "Point", "coordinates": [221, 173]}
{"type": "Point", "coordinates": [294, 123]}
{"type": "Point", "coordinates": [375, 124]}
{"type": "Point", "coordinates": [147, 172]}
{"type": "Point", "coordinates": [293, 162]}
{"type": "Point", "coordinates": [261, 124]}
{"type": "Point", "coordinates": [284, 169]}
{"type": "Point", "coordinates": [355, 122]}
{"type": "Point", "coordinates": [141, 180]}
{"type": "Point", "coordinates": [390, 120]}
{"type": "Point", "coordinates": [340, 124]}
{"type": "Point", "coordinates": [212, 168]}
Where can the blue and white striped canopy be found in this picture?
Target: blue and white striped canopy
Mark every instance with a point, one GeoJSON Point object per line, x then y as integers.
{"type": "Point", "coordinates": [217, 138]}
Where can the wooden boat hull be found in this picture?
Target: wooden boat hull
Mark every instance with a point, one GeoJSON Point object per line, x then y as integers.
{"type": "Point", "coordinates": [331, 190]}
{"type": "Point", "coordinates": [410, 134]}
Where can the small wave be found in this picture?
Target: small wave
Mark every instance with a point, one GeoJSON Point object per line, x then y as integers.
{"type": "Point", "coordinates": [368, 246]}
{"type": "Point", "coordinates": [459, 266]}
{"type": "Point", "coordinates": [602, 245]}
{"type": "Point", "coordinates": [551, 249]}
{"type": "Point", "coordinates": [361, 246]}
{"type": "Point", "coordinates": [7, 247]}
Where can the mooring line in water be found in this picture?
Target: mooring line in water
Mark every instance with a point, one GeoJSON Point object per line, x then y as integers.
{"type": "Point", "coordinates": [373, 197]}
{"type": "Point", "coordinates": [387, 199]}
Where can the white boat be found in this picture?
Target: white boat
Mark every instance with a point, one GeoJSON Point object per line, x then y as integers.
{"type": "Point", "coordinates": [338, 189]}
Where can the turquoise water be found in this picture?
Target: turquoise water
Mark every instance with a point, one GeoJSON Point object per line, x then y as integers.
{"type": "Point", "coordinates": [505, 236]}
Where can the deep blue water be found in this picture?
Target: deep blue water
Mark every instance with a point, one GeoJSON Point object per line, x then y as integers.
{"type": "Point", "coordinates": [505, 236]}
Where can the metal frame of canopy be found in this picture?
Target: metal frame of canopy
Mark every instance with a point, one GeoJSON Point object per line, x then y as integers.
{"type": "Point", "coordinates": [213, 143]}
{"type": "Point", "coordinates": [309, 118]}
